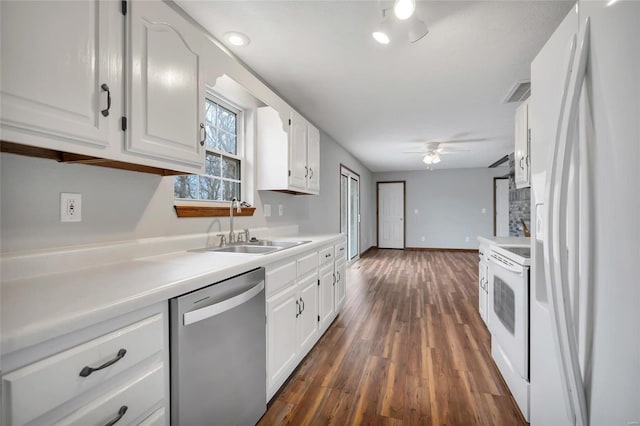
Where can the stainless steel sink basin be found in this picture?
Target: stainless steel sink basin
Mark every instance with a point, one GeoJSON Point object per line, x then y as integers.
{"type": "Point", "coordinates": [256, 247]}
{"type": "Point", "coordinates": [245, 249]}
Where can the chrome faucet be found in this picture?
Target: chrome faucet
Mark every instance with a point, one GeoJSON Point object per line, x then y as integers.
{"type": "Point", "coordinates": [232, 237]}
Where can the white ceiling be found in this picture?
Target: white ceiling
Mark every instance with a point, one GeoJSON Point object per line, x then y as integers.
{"type": "Point", "coordinates": [378, 101]}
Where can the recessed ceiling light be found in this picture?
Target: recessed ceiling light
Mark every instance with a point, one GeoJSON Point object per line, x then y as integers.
{"type": "Point", "coordinates": [382, 31]}
{"type": "Point", "coordinates": [381, 37]}
{"type": "Point", "coordinates": [237, 39]}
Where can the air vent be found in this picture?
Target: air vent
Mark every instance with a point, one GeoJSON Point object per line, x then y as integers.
{"type": "Point", "coordinates": [519, 92]}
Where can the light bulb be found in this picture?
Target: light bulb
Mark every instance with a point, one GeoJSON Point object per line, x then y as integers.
{"type": "Point", "coordinates": [236, 38]}
{"type": "Point", "coordinates": [403, 9]}
{"type": "Point", "coordinates": [381, 37]}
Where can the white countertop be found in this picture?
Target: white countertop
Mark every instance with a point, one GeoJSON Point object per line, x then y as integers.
{"type": "Point", "coordinates": [506, 241]}
{"type": "Point", "coordinates": [39, 308]}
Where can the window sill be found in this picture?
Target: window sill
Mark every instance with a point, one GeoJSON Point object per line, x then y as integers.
{"type": "Point", "coordinates": [207, 211]}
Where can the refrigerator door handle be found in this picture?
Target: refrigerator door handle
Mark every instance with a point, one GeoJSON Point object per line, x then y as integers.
{"type": "Point", "coordinates": [555, 247]}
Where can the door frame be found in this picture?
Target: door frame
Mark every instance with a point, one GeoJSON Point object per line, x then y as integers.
{"type": "Point", "coordinates": [404, 211]}
{"type": "Point", "coordinates": [349, 170]}
{"type": "Point", "coordinates": [495, 210]}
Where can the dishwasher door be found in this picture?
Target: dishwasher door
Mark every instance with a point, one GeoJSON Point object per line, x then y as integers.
{"type": "Point", "coordinates": [218, 353]}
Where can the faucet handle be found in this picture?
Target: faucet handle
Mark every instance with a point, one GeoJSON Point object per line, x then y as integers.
{"type": "Point", "coordinates": [223, 239]}
{"type": "Point", "coordinates": [247, 236]}
{"type": "Point", "coordinates": [239, 239]}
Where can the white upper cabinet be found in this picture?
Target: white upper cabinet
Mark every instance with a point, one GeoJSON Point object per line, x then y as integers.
{"type": "Point", "coordinates": [166, 86]}
{"type": "Point", "coordinates": [313, 159]}
{"type": "Point", "coordinates": [522, 148]}
{"type": "Point", "coordinates": [288, 153]}
{"type": "Point", "coordinates": [61, 78]}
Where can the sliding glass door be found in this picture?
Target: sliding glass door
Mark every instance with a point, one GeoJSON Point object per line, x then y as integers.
{"type": "Point", "coordinates": [350, 210]}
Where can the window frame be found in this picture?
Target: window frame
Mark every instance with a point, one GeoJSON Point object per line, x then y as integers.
{"type": "Point", "coordinates": [240, 154]}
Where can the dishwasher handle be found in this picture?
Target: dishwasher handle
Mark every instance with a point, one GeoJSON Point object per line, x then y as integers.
{"type": "Point", "coordinates": [225, 305]}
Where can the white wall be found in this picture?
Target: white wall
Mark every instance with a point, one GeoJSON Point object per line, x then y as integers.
{"type": "Point", "coordinates": [121, 205]}
{"type": "Point", "coordinates": [450, 206]}
{"type": "Point", "coordinates": [322, 213]}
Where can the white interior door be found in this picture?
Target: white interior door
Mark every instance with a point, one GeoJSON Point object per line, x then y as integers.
{"type": "Point", "coordinates": [391, 215]}
{"type": "Point", "coordinates": [502, 207]}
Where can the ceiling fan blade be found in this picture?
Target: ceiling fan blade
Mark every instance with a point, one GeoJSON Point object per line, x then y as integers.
{"type": "Point", "coordinates": [414, 152]}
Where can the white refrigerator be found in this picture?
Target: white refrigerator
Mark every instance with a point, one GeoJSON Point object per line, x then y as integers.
{"type": "Point", "coordinates": [585, 277]}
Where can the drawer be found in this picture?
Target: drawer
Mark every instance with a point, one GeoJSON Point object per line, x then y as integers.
{"type": "Point", "coordinates": [307, 263]}
{"type": "Point", "coordinates": [127, 402]}
{"type": "Point", "coordinates": [341, 251]}
{"type": "Point", "coordinates": [326, 255]}
{"type": "Point", "coordinates": [280, 277]}
{"type": "Point", "coordinates": [39, 387]}
{"type": "Point", "coordinates": [157, 418]}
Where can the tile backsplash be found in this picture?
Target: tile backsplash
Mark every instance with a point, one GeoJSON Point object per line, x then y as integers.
{"type": "Point", "coordinates": [519, 204]}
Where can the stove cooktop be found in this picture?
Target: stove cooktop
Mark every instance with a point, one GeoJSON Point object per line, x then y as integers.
{"type": "Point", "coordinates": [520, 251]}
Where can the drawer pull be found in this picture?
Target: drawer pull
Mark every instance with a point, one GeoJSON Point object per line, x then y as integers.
{"type": "Point", "coordinates": [88, 370]}
{"type": "Point", "coordinates": [121, 412]}
{"type": "Point", "coordinates": [328, 255]}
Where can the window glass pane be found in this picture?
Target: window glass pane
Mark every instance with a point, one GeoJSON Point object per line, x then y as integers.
{"type": "Point", "coordinates": [227, 142]}
{"type": "Point", "coordinates": [231, 190]}
{"type": "Point", "coordinates": [212, 164]}
{"type": "Point", "coordinates": [212, 137]}
{"type": "Point", "coordinates": [209, 188]}
{"type": "Point", "coordinates": [226, 120]}
{"type": "Point", "coordinates": [230, 168]}
{"type": "Point", "coordinates": [210, 112]}
{"type": "Point", "coordinates": [185, 186]}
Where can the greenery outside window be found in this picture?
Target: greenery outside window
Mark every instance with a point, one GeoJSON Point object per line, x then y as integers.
{"type": "Point", "coordinates": [222, 179]}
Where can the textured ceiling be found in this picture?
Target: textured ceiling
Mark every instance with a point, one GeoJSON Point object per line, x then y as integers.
{"type": "Point", "coordinates": [378, 101]}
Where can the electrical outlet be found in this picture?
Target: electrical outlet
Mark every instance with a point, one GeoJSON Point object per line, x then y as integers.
{"type": "Point", "coordinates": [415, 211]}
{"type": "Point", "coordinates": [483, 211]}
{"type": "Point", "coordinates": [280, 210]}
{"type": "Point", "coordinates": [267, 210]}
{"type": "Point", "coordinates": [70, 207]}
{"type": "Point", "coordinates": [422, 238]}
{"type": "Point", "coordinates": [467, 239]}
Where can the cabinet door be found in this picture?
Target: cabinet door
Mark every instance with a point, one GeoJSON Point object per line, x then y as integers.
{"type": "Point", "coordinates": [282, 342]}
{"type": "Point", "coordinates": [56, 57]}
{"type": "Point", "coordinates": [341, 285]}
{"type": "Point", "coordinates": [308, 324]}
{"type": "Point", "coordinates": [298, 152]}
{"type": "Point", "coordinates": [167, 93]}
{"type": "Point", "coordinates": [522, 146]}
{"type": "Point", "coordinates": [327, 282]}
{"type": "Point", "coordinates": [313, 159]}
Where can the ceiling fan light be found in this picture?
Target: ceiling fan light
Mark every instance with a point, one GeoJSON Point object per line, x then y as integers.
{"type": "Point", "coordinates": [382, 31]}
{"type": "Point", "coordinates": [436, 159]}
{"type": "Point", "coordinates": [417, 29]}
{"type": "Point", "coordinates": [403, 9]}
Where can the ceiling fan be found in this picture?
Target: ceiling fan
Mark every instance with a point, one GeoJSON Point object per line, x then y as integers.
{"type": "Point", "coordinates": [433, 150]}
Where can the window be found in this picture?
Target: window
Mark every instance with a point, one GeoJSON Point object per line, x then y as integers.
{"type": "Point", "coordinates": [222, 178]}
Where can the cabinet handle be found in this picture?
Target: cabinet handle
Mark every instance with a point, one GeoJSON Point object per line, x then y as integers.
{"type": "Point", "coordinates": [121, 412]}
{"type": "Point", "coordinates": [339, 277]}
{"type": "Point", "coordinates": [105, 112]}
{"type": "Point", "coordinates": [86, 371]}
{"type": "Point", "coordinates": [298, 309]}
{"type": "Point", "coordinates": [302, 303]}
{"type": "Point", "coordinates": [521, 160]}
{"type": "Point", "coordinates": [334, 279]}
{"type": "Point", "coordinates": [328, 255]}
{"type": "Point", "coordinates": [310, 172]}
{"type": "Point", "coordinates": [306, 171]}
{"type": "Point", "coordinates": [204, 134]}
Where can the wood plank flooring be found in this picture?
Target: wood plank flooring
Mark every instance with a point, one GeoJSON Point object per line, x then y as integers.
{"type": "Point", "coordinates": [408, 348]}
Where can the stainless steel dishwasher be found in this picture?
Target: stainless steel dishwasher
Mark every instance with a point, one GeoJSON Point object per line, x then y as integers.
{"type": "Point", "coordinates": [218, 353]}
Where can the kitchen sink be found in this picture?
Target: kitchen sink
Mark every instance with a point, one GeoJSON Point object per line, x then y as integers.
{"type": "Point", "coordinates": [255, 247]}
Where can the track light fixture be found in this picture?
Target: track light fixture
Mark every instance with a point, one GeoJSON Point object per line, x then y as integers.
{"type": "Point", "coordinates": [404, 10]}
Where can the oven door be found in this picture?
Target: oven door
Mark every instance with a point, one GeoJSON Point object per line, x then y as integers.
{"type": "Point", "coordinates": [509, 312]}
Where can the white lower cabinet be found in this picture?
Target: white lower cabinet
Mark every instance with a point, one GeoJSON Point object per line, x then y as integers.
{"type": "Point", "coordinates": [299, 309]}
{"type": "Point", "coordinates": [327, 284]}
{"type": "Point", "coordinates": [341, 284]}
{"type": "Point", "coordinates": [122, 373]}
{"type": "Point", "coordinates": [282, 342]}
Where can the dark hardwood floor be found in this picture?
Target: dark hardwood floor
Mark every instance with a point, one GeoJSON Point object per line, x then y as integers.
{"type": "Point", "coordinates": [408, 348]}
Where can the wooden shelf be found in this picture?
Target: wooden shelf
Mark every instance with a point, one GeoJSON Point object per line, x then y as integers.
{"type": "Point", "coordinates": [203, 211]}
